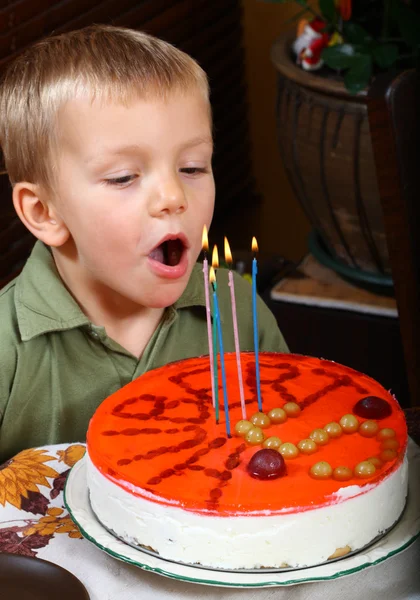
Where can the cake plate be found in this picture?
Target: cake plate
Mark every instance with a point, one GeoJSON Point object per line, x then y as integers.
{"type": "Point", "coordinates": [406, 531]}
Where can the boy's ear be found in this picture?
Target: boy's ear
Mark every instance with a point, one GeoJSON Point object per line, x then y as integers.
{"type": "Point", "coordinates": [38, 215]}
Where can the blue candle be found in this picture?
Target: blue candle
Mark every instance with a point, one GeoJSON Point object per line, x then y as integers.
{"type": "Point", "coordinates": [255, 321]}
{"type": "Point", "coordinates": [214, 266]}
{"type": "Point", "coordinates": [222, 357]}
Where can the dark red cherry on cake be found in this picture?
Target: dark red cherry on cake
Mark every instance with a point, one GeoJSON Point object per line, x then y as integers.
{"type": "Point", "coordinates": [372, 407]}
{"type": "Point", "coordinates": [267, 464]}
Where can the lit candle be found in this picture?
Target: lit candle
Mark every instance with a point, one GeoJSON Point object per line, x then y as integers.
{"type": "Point", "coordinates": [255, 319]}
{"type": "Point", "coordinates": [215, 265]}
{"type": "Point", "coordinates": [228, 259]}
{"type": "Point", "coordinates": [205, 246]}
{"type": "Point", "coordinates": [220, 342]}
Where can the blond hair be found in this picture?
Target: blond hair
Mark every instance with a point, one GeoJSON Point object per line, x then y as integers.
{"type": "Point", "coordinates": [107, 63]}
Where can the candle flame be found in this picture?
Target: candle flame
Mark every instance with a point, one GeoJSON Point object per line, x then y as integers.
{"type": "Point", "coordinates": [212, 275]}
{"type": "Point", "coordinates": [215, 257]}
{"type": "Point", "coordinates": [205, 240]}
{"type": "Point", "coordinates": [228, 254]}
{"type": "Point", "coordinates": [254, 245]}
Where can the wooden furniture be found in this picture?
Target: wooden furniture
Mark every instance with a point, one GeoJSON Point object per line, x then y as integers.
{"type": "Point", "coordinates": [15, 240]}
{"type": "Point", "coordinates": [395, 128]}
{"type": "Point", "coordinates": [210, 31]}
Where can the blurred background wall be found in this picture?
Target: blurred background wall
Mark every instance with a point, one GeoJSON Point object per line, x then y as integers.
{"type": "Point", "coordinates": [281, 224]}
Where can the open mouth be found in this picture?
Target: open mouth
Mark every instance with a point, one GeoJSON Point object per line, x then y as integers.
{"type": "Point", "coordinates": [168, 252]}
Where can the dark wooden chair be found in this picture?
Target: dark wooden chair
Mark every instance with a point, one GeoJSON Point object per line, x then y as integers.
{"type": "Point", "coordinates": [393, 109]}
{"type": "Point", "coordinates": [15, 240]}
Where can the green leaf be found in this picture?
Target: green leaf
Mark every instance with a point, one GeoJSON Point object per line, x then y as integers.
{"type": "Point", "coordinates": [385, 55]}
{"type": "Point", "coordinates": [341, 56]}
{"type": "Point", "coordinates": [355, 34]}
{"type": "Point", "coordinates": [392, 7]}
{"type": "Point", "coordinates": [358, 76]}
{"type": "Point", "coordinates": [297, 16]}
{"type": "Point", "coordinates": [409, 24]}
{"type": "Point", "coordinates": [328, 10]}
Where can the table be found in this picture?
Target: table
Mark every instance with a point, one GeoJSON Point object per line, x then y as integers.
{"type": "Point", "coordinates": [34, 522]}
{"type": "Point", "coordinates": [321, 314]}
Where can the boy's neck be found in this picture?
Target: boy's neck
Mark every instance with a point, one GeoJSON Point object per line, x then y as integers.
{"type": "Point", "coordinates": [127, 323]}
{"type": "Point", "coordinates": [134, 333]}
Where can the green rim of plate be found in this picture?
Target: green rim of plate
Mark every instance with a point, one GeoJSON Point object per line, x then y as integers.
{"type": "Point", "coordinates": [325, 257]}
{"type": "Point", "coordinates": [215, 582]}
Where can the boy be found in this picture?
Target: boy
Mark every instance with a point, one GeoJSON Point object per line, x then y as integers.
{"type": "Point", "coordinates": [106, 134]}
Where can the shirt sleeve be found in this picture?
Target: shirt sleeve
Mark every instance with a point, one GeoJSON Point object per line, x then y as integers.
{"type": "Point", "coordinates": [8, 355]}
{"type": "Point", "coordinates": [8, 361]}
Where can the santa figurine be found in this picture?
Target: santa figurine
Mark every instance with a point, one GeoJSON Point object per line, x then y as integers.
{"type": "Point", "coordinates": [309, 44]}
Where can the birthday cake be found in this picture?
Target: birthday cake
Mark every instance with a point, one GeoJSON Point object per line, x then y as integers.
{"type": "Point", "coordinates": [317, 468]}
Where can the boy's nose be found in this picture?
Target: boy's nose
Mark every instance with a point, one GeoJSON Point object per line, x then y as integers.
{"type": "Point", "coordinates": [168, 198]}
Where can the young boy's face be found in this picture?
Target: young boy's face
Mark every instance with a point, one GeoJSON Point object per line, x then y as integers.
{"type": "Point", "coordinates": [135, 187]}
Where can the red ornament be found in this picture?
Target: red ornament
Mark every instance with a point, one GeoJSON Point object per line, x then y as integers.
{"type": "Point", "coordinates": [344, 8]}
{"type": "Point", "coordinates": [310, 44]}
{"type": "Point", "coordinates": [372, 407]}
{"type": "Point", "coordinates": [267, 464]}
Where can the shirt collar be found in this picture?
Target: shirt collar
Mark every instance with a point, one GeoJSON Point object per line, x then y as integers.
{"type": "Point", "coordinates": [43, 303]}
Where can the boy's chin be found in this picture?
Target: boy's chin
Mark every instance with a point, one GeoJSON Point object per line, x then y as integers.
{"type": "Point", "coordinates": [166, 297]}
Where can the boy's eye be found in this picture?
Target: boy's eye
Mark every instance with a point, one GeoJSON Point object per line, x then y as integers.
{"type": "Point", "coordinates": [120, 181]}
{"type": "Point", "coordinates": [193, 170]}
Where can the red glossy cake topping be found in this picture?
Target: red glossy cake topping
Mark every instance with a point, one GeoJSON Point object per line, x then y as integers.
{"type": "Point", "coordinates": [157, 437]}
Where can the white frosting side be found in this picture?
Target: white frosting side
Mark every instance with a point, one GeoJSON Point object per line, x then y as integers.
{"type": "Point", "coordinates": [296, 539]}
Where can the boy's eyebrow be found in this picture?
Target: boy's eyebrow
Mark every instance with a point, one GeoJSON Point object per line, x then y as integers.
{"type": "Point", "coordinates": [135, 148]}
{"type": "Point", "coordinates": [198, 141]}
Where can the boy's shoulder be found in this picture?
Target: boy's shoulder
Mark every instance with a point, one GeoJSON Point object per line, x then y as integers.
{"type": "Point", "coordinates": [32, 302]}
{"type": "Point", "coordinates": [9, 337]}
{"type": "Point", "coordinates": [8, 316]}
{"type": "Point", "coordinates": [37, 301]}
{"type": "Point", "coordinates": [8, 290]}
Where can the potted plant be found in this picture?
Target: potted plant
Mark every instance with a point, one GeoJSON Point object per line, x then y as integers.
{"type": "Point", "coordinates": [324, 71]}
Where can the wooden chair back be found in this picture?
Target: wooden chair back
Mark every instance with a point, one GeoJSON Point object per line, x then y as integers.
{"type": "Point", "coordinates": [393, 109]}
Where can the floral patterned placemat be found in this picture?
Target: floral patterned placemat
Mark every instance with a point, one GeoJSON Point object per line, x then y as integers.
{"type": "Point", "coordinates": [31, 499]}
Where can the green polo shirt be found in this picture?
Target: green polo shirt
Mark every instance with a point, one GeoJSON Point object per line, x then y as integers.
{"type": "Point", "coordinates": [56, 367]}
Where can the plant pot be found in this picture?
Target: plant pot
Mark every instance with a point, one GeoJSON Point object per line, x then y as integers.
{"type": "Point", "coordinates": [324, 140]}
